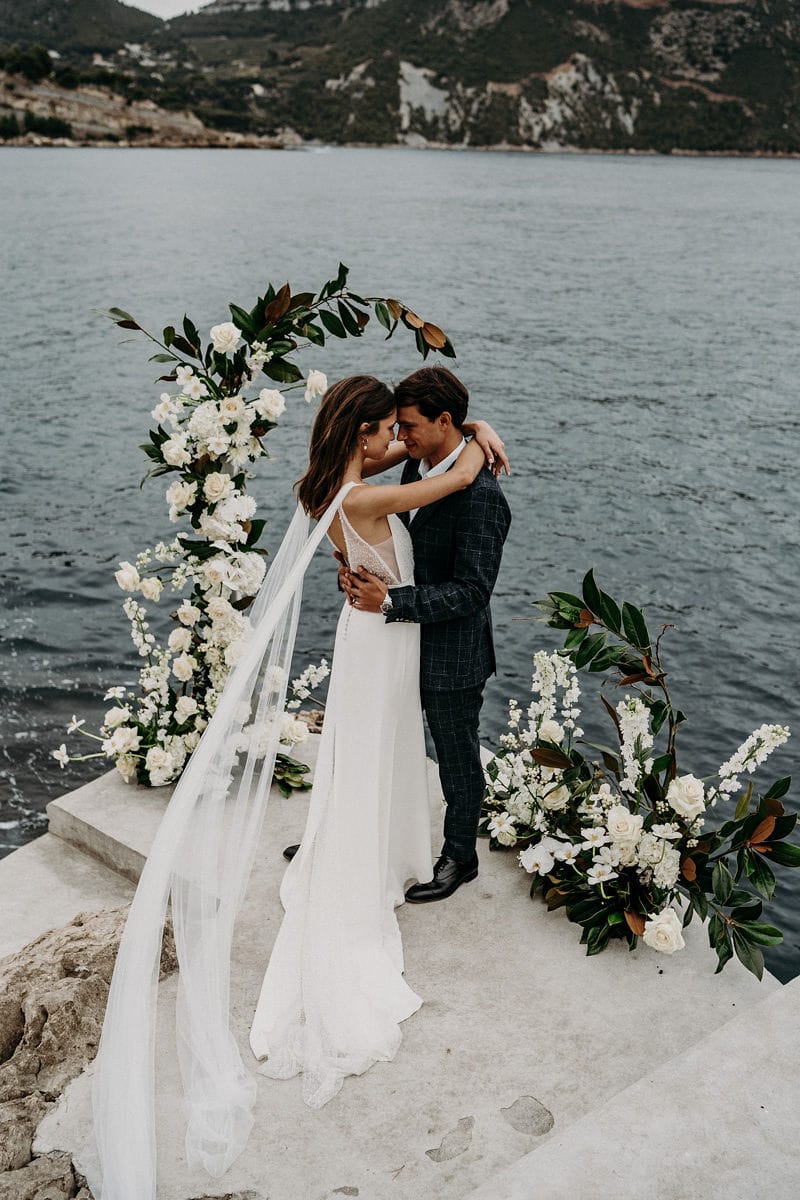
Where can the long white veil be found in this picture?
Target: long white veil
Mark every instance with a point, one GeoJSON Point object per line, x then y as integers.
{"type": "Point", "coordinates": [201, 857]}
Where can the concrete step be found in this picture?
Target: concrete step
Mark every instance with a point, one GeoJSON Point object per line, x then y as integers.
{"type": "Point", "coordinates": [519, 1037]}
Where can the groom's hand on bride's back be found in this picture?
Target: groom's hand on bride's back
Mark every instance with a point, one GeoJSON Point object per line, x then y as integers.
{"type": "Point", "coordinates": [344, 570]}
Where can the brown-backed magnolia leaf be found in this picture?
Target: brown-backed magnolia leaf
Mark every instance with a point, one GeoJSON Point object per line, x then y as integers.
{"type": "Point", "coordinates": [762, 847]}
{"type": "Point", "coordinates": [635, 922]}
{"type": "Point", "coordinates": [633, 679]}
{"type": "Point", "coordinates": [689, 869]}
{"type": "Point", "coordinates": [279, 306]}
{"type": "Point", "coordinates": [774, 807]}
{"type": "Point", "coordinates": [762, 831]}
{"type": "Point", "coordinates": [612, 714]}
{"type": "Point", "coordinates": [586, 619]}
{"type": "Point", "coordinates": [546, 757]}
{"type": "Point", "coordinates": [413, 320]}
{"type": "Point", "coordinates": [395, 308]}
{"type": "Point", "coordinates": [433, 335]}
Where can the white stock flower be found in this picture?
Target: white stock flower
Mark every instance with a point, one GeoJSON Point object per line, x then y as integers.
{"type": "Point", "coordinates": [662, 931]}
{"type": "Point", "coordinates": [270, 404]}
{"type": "Point", "coordinates": [174, 451]}
{"type": "Point", "coordinates": [686, 797]}
{"type": "Point", "coordinates": [188, 614]}
{"type": "Point", "coordinates": [116, 716]}
{"type": "Point", "coordinates": [151, 587]}
{"type": "Point", "coordinates": [316, 384]}
{"type": "Point", "coordinates": [502, 827]}
{"type": "Point", "coordinates": [537, 859]}
{"type": "Point", "coordinates": [218, 570]}
{"type": "Point", "coordinates": [225, 337]}
{"type": "Point", "coordinates": [667, 869]}
{"type": "Point", "coordinates": [217, 486]}
{"type": "Point", "coordinates": [184, 667]}
{"type": "Point", "coordinates": [127, 577]}
{"type": "Point", "coordinates": [185, 708]}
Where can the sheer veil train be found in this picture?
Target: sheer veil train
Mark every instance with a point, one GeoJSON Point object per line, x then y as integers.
{"type": "Point", "coordinates": [201, 860]}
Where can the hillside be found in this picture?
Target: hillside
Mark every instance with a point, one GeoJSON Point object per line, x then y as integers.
{"type": "Point", "coordinates": [691, 75]}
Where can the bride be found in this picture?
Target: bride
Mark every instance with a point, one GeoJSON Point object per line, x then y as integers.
{"type": "Point", "coordinates": [333, 993]}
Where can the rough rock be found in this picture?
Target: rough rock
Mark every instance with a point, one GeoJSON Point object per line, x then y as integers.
{"type": "Point", "coordinates": [53, 996]}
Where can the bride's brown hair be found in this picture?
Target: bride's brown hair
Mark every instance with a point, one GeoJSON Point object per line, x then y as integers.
{"type": "Point", "coordinates": [347, 405]}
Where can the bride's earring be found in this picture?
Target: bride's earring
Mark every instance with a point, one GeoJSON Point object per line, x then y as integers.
{"type": "Point", "coordinates": [364, 445]}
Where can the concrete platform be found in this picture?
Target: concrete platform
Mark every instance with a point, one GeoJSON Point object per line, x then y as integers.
{"type": "Point", "coordinates": [521, 1040]}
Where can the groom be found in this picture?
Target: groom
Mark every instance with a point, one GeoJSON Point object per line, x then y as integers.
{"type": "Point", "coordinates": [458, 544]}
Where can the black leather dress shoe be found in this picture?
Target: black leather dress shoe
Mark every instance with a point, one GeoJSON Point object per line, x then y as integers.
{"type": "Point", "coordinates": [448, 874]}
{"type": "Point", "coordinates": [290, 852]}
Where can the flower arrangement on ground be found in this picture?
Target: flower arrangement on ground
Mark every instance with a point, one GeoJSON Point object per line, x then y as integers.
{"type": "Point", "coordinates": [210, 427]}
{"type": "Point", "coordinates": [620, 839]}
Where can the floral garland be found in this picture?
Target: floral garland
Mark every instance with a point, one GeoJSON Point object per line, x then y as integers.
{"type": "Point", "coordinates": [208, 432]}
{"type": "Point", "coordinates": [620, 840]}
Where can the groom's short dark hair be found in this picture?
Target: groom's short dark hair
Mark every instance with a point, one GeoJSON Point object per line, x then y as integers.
{"type": "Point", "coordinates": [434, 390]}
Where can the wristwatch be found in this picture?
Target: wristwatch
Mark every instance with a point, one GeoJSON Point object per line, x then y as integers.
{"type": "Point", "coordinates": [386, 604]}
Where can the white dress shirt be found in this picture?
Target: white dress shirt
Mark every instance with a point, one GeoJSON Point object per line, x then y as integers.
{"type": "Point", "coordinates": [426, 470]}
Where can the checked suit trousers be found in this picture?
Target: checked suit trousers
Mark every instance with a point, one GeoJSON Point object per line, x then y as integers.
{"type": "Point", "coordinates": [453, 723]}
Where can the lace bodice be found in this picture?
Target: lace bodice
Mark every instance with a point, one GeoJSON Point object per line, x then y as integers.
{"type": "Point", "coordinates": [392, 560]}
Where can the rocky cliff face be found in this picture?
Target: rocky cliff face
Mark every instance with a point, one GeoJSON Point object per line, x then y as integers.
{"type": "Point", "coordinates": [702, 75]}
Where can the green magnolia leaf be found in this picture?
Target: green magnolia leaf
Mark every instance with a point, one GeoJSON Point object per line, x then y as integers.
{"type": "Point", "coordinates": [659, 711]}
{"type": "Point", "coordinates": [597, 939]}
{"type": "Point", "coordinates": [724, 953]}
{"type": "Point", "coordinates": [785, 853]}
{"type": "Point", "coordinates": [162, 358]}
{"type": "Point", "coordinates": [743, 805]}
{"type": "Point", "coordinates": [721, 882]}
{"type": "Point", "coordinates": [779, 788]}
{"type": "Point", "coordinates": [588, 648]}
{"type": "Point", "coordinates": [348, 320]}
{"type": "Point", "coordinates": [609, 611]}
{"type": "Point", "coordinates": [763, 935]}
{"type": "Point", "coordinates": [661, 763]}
{"type": "Point", "coordinates": [760, 875]}
{"type": "Point", "coordinates": [566, 599]}
{"type": "Point", "coordinates": [447, 350]}
{"type": "Point", "coordinates": [612, 656]}
{"type": "Point", "coordinates": [314, 334]}
{"type": "Point", "coordinates": [635, 628]}
{"type": "Point", "coordinates": [243, 320]}
{"type": "Point", "coordinates": [574, 638]}
{"type": "Point", "coordinates": [748, 954]}
{"type": "Point", "coordinates": [382, 313]}
{"type": "Point", "coordinates": [332, 323]}
{"type": "Point", "coordinates": [591, 593]}
{"type": "Point", "coordinates": [282, 371]}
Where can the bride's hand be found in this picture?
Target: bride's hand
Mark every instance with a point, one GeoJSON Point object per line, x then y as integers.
{"type": "Point", "coordinates": [492, 445]}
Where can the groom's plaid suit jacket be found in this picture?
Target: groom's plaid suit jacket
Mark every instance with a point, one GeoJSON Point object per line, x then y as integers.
{"type": "Point", "coordinates": [458, 543]}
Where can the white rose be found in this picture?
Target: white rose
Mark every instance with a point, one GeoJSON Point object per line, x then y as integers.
{"type": "Point", "coordinates": [185, 708]}
{"type": "Point", "coordinates": [191, 740]}
{"type": "Point", "coordinates": [556, 799]}
{"type": "Point", "coordinates": [217, 486]}
{"type": "Point", "coordinates": [216, 570]}
{"type": "Point", "coordinates": [686, 797]}
{"type": "Point", "coordinates": [662, 931]}
{"type": "Point", "coordinates": [219, 608]}
{"type": "Point", "coordinates": [200, 722]}
{"type": "Point", "coordinates": [232, 408]}
{"type": "Point", "coordinates": [188, 613]}
{"type": "Point", "coordinates": [179, 639]}
{"type": "Point", "coordinates": [127, 577]}
{"type": "Point", "coordinates": [123, 740]}
{"type": "Point", "coordinates": [160, 766]}
{"type": "Point", "coordinates": [270, 404]}
{"type": "Point", "coordinates": [184, 667]}
{"type": "Point", "coordinates": [174, 451]}
{"type": "Point", "coordinates": [551, 731]}
{"type": "Point", "coordinates": [225, 337]}
{"type": "Point", "coordinates": [116, 716]}
{"type": "Point", "coordinates": [126, 765]}
{"type": "Point", "coordinates": [316, 384]}
{"type": "Point", "coordinates": [180, 494]}
{"type": "Point", "coordinates": [622, 825]}
{"type": "Point", "coordinates": [151, 588]}
{"type": "Point", "coordinates": [293, 731]}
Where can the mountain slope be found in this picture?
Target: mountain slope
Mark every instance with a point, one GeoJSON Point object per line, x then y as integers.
{"type": "Point", "coordinates": [605, 74]}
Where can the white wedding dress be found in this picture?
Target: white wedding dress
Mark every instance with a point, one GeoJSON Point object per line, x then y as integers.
{"type": "Point", "coordinates": [333, 993]}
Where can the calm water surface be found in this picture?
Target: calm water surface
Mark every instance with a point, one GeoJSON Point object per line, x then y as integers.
{"type": "Point", "coordinates": [630, 325]}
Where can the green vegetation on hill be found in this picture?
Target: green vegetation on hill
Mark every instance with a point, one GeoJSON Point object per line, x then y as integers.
{"type": "Point", "coordinates": [686, 74]}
